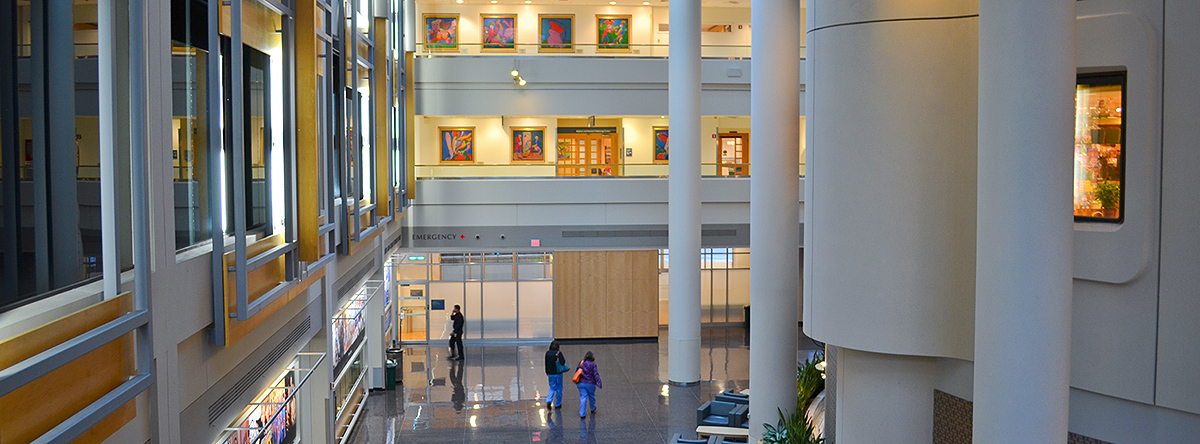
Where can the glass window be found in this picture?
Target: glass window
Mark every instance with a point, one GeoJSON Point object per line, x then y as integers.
{"type": "Point", "coordinates": [189, 124]}
{"type": "Point", "coordinates": [50, 178]}
{"type": "Point", "coordinates": [1099, 138]}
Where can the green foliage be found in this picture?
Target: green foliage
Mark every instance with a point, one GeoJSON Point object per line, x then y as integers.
{"type": "Point", "coordinates": [1108, 194]}
{"type": "Point", "coordinates": [796, 429]}
{"type": "Point", "coordinates": [809, 382]}
{"type": "Point", "coordinates": [791, 430]}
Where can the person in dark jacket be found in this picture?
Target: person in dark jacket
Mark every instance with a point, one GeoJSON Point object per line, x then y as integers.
{"type": "Point", "coordinates": [588, 383]}
{"type": "Point", "coordinates": [553, 358]}
{"type": "Point", "coordinates": [456, 338]}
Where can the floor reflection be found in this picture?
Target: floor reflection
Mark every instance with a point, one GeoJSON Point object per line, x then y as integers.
{"type": "Point", "coordinates": [497, 394]}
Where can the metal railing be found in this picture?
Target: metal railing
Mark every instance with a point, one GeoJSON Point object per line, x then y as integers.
{"type": "Point", "coordinates": [581, 49]}
{"type": "Point", "coordinates": [655, 169]}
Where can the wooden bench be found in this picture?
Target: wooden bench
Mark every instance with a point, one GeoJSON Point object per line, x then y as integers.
{"type": "Point", "coordinates": [703, 432]}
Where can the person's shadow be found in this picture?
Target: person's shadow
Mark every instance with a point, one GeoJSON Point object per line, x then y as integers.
{"type": "Point", "coordinates": [456, 380]}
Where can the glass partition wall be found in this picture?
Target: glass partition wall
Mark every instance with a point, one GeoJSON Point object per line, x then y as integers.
{"type": "Point", "coordinates": [504, 297]}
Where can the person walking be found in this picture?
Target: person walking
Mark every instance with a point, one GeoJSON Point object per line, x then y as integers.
{"type": "Point", "coordinates": [456, 317]}
{"type": "Point", "coordinates": [589, 381]}
{"type": "Point", "coordinates": [556, 365]}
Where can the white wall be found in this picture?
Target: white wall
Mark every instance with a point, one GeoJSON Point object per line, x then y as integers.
{"type": "Point", "coordinates": [1178, 342]}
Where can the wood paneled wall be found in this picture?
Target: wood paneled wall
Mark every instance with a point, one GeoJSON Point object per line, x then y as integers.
{"type": "Point", "coordinates": [605, 294]}
{"type": "Point", "coordinates": [44, 403]}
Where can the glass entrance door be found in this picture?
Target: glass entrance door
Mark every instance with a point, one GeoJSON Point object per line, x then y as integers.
{"type": "Point", "coordinates": [413, 300]}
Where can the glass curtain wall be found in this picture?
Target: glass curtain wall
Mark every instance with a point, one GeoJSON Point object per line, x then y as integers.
{"type": "Point", "coordinates": [251, 150]}
{"type": "Point", "coordinates": [358, 49]}
{"type": "Point", "coordinates": [51, 67]}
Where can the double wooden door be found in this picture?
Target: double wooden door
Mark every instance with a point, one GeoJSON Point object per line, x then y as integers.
{"type": "Point", "coordinates": [586, 155]}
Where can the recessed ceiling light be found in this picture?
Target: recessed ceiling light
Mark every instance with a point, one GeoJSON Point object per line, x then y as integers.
{"type": "Point", "coordinates": [529, 2]}
{"type": "Point", "coordinates": [612, 3]}
{"type": "Point", "coordinates": [495, 1]}
{"type": "Point", "coordinates": [645, 3]}
{"type": "Point", "coordinates": [458, 1]}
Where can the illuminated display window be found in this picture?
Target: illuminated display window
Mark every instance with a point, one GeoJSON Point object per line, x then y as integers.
{"type": "Point", "coordinates": [1099, 147]}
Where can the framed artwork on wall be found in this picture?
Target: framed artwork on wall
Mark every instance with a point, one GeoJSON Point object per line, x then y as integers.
{"type": "Point", "coordinates": [441, 32]}
{"type": "Point", "coordinates": [499, 32]}
{"type": "Point", "coordinates": [556, 33]}
{"type": "Point", "coordinates": [612, 32]}
{"type": "Point", "coordinates": [458, 144]}
{"type": "Point", "coordinates": [662, 149]}
{"type": "Point", "coordinates": [529, 144]}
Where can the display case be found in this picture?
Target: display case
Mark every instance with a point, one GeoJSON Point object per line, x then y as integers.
{"type": "Point", "coordinates": [1099, 172]}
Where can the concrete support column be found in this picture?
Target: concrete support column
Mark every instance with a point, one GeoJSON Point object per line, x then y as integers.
{"type": "Point", "coordinates": [1024, 260]}
{"type": "Point", "coordinates": [684, 213]}
{"type": "Point", "coordinates": [774, 208]}
{"type": "Point", "coordinates": [881, 397]}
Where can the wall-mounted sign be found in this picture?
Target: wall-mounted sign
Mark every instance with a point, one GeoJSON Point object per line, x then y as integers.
{"type": "Point", "coordinates": [588, 130]}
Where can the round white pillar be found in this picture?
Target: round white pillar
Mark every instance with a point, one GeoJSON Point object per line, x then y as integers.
{"type": "Point", "coordinates": [1023, 243]}
{"type": "Point", "coordinates": [774, 208]}
{"type": "Point", "coordinates": [683, 333]}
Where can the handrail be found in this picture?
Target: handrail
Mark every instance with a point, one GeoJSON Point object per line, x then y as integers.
{"type": "Point", "coordinates": [36, 366]}
{"type": "Point", "coordinates": [654, 50]}
{"type": "Point", "coordinates": [551, 169]}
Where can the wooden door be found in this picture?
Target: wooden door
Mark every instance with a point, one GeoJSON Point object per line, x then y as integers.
{"type": "Point", "coordinates": [733, 154]}
{"type": "Point", "coordinates": [586, 155]}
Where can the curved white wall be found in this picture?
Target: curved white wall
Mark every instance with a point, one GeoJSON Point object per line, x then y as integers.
{"type": "Point", "coordinates": [891, 172]}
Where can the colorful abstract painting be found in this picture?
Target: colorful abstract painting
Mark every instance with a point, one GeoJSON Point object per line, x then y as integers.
{"type": "Point", "coordinates": [556, 33]}
{"type": "Point", "coordinates": [662, 149]}
{"type": "Point", "coordinates": [612, 32]}
{"type": "Point", "coordinates": [528, 144]}
{"type": "Point", "coordinates": [499, 32]}
{"type": "Point", "coordinates": [441, 31]}
{"type": "Point", "coordinates": [458, 144]}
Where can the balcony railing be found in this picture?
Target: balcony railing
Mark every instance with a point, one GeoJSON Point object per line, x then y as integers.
{"type": "Point", "coordinates": [583, 49]}
{"type": "Point", "coordinates": [481, 170]}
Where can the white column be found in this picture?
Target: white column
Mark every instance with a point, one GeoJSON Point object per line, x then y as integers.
{"type": "Point", "coordinates": [1023, 262]}
{"type": "Point", "coordinates": [774, 208]}
{"type": "Point", "coordinates": [683, 351]}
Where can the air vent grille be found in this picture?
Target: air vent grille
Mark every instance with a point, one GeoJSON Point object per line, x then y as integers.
{"type": "Point", "coordinates": [226, 400]}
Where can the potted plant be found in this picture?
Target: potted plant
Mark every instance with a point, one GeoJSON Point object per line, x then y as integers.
{"type": "Point", "coordinates": [1109, 195]}
{"type": "Point", "coordinates": [797, 429]}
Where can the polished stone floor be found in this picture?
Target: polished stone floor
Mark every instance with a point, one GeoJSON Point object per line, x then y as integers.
{"type": "Point", "coordinates": [497, 394]}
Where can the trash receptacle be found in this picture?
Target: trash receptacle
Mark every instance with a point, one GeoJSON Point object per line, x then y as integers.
{"type": "Point", "coordinates": [389, 379]}
{"type": "Point", "coordinates": [396, 357]}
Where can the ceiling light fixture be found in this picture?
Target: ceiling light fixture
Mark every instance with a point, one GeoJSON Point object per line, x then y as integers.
{"type": "Point", "coordinates": [495, 1]}
{"type": "Point", "coordinates": [521, 81]}
{"type": "Point", "coordinates": [529, 2]}
{"type": "Point", "coordinates": [612, 3]}
{"type": "Point", "coordinates": [645, 3]}
{"type": "Point", "coordinates": [458, 1]}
